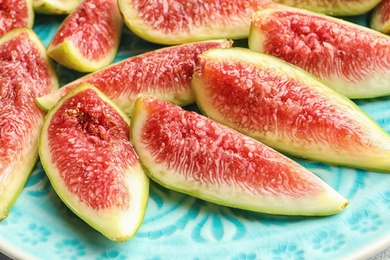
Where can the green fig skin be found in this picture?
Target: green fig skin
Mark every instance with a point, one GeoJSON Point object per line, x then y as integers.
{"type": "Point", "coordinates": [187, 152]}
{"type": "Point", "coordinates": [110, 191]}
{"type": "Point", "coordinates": [288, 109]}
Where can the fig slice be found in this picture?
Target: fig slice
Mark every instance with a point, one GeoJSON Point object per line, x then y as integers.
{"type": "Point", "coordinates": [176, 22]}
{"type": "Point", "coordinates": [190, 153]}
{"type": "Point", "coordinates": [55, 7]}
{"type": "Point", "coordinates": [349, 58]}
{"type": "Point", "coordinates": [88, 38]}
{"type": "Point", "coordinates": [334, 7]}
{"type": "Point", "coordinates": [165, 73]}
{"type": "Point", "coordinates": [380, 17]}
{"type": "Point", "coordinates": [86, 153]}
{"type": "Point", "coordinates": [15, 14]}
{"type": "Point", "coordinates": [25, 73]}
{"type": "Point", "coordinates": [288, 109]}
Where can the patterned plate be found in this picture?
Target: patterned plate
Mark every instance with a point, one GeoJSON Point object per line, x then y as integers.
{"type": "Point", "coordinates": [179, 226]}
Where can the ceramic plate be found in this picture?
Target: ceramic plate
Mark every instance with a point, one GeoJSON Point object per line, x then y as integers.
{"type": "Point", "coordinates": [182, 227]}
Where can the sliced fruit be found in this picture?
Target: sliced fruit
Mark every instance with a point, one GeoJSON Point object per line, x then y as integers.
{"type": "Point", "coordinates": [165, 73]}
{"type": "Point", "coordinates": [86, 153]}
{"type": "Point", "coordinates": [55, 7]}
{"type": "Point", "coordinates": [348, 57]}
{"type": "Point", "coordinates": [334, 7]}
{"type": "Point", "coordinates": [25, 73]}
{"type": "Point", "coordinates": [380, 17]}
{"type": "Point", "coordinates": [190, 153]}
{"type": "Point", "coordinates": [177, 22]}
{"type": "Point", "coordinates": [88, 39]}
{"type": "Point", "coordinates": [15, 14]}
{"type": "Point", "coordinates": [288, 109]}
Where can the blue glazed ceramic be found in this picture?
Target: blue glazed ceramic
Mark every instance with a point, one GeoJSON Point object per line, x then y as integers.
{"type": "Point", "coordinates": [177, 226]}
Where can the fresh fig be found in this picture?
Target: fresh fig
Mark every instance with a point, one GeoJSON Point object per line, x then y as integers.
{"type": "Point", "coordinates": [88, 39]}
{"type": "Point", "coordinates": [349, 58]}
{"type": "Point", "coordinates": [187, 152]}
{"type": "Point", "coordinates": [86, 153]}
{"type": "Point", "coordinates": [165, 73]}
{"type": "Point", "coordinates": [380, 17]}
{"type": "Point", "coordinates": [177, 22]}
{"type": "Point", "coordinates": [15, 14]}
{"type": "Point", "coordinates": [25, 73]}
{"type": "Point", "coordinates": [288, 109]}
{"type": "Point", "coordinates": [55, 7]}
{"type": "Point", "coordinates": [334, 7]}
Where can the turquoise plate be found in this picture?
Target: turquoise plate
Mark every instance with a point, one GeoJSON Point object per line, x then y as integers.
{"type": "Point", "coordinates": [177, 226]}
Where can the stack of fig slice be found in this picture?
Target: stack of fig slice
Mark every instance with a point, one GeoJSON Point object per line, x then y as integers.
{"type": "Point", "coordinates": [86, 153]}
{"type": "Point", "coordinates": [165, 73]}
{"type": "Point", "coordinates": [25, 73]}
{"type": "Point", "coordinates": [178, 22]}
{"type": "Point", "coordinates": [349, 58]}
{"type": "Point", "coordinates": [288, 109]}
{"type": "Point", "coordinates": [88, 39]}
{"type": "Point", "coordinates": [15, 14]}
{"type": "Point", "coordinates": [190, 153]}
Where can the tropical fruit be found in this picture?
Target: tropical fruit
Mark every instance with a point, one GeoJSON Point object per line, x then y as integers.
{"type": "Point", "coordinates": [187, 152]}
{"type": "Point", "coordinates": [15, 14]}
{"type": "Point", "coordinates": [88, 39]}
{"type": "Point", "coordinates": [334, 7]}
{"type": "Point", "coordinates": [25, 73]}
{"type": "Point", "coordinates": [177, 22]}
{"type": "Point", "coordinates": [288, 109]}
{"type": "Point", "coordinates": [349, 58]}
{"type": "Point", "coordinates": [165, 73]}
{"type": "Point", "coordinates": [380, 17]}
{"type": "Point", "coordinates": [86, 153]}
{"type": "Point", "coordinates": [55, 7]}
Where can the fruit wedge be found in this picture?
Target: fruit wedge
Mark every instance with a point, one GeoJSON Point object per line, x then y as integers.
{"type": "Point", "coordinates": [380, 17]}
{"type": "Point", "coordinates": [190, 153]}
{"type": "Point", "coordinates": [288, 109]}
{"type": "Point", "coordinates": [88, 39]}
{"type": "Point", "coordinates": [55, 7]}
{"type": "Point", "coordinates": [165, 73]}
{"type": "Point", "coordinates": [349, 58]}
{"type": "Point", "coordinates": [15, 14]}
{"type": "Point", "coordinates": [25, 73]}
{"type": "Point", "coordinates": [334, 7]}
{"type": "Point", "coordinates": [177, 22]}
{"type": "Point", "coordinates": [86, 153]}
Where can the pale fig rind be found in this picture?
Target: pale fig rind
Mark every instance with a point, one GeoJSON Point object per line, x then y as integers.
{"type": "Point", "coordinates": [189, 153]}
{"type": "Point", "coordinates": [55, 7]}
{"type": "Point", "coordinates": [116, 191]}
{"type": "Point", "coordinates": [165, 73]}
{"type": "Point", "coordinates": [380, 17]}
{"type": "Point", "coordinates": [26, 72]}
{"type": "Point", "coordinates": [349, 58]}
{"type": "Point", "coordinates": [288, 109]}
{"type": "Point", "coordinates": [334, 7]}
{"type": "Point", "coordinates": [86, 45]}
{"type": "Point", "coordinates": [172, 22]}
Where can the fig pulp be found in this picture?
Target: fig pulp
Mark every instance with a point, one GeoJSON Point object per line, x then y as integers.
{"type": "Point", "coordinates": [288, 109]}
{"type": "Point", "coordinates": [15, 14]}
{"type": "Point", "coordinates": [25, 73]}
{"type": "Point", "coordinates": [88, 39]}
{"type": "Point", "coordinates": [190, 153]}
{"type": "Point", "coordinates": [86, 153]}
{"type": "Point", "coordinates": [380, 17]}
{"type": "Point", "coordinates": [349, 58]}
{"type": "Point", "coordinates": [178, 22]}
{"type": "Point", "coordinates": [165, 73]}
{"type": "Point", "coordinates": [334, 7]}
